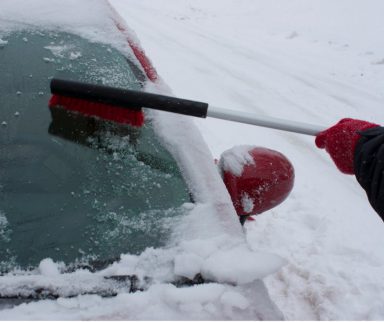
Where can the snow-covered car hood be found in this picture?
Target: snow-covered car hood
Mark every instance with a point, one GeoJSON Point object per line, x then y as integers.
{"type": "Point", "coordinates": [208, 241]}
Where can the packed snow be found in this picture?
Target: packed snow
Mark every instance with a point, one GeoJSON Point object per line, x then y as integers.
{"type": "Point", "coordinates": [310, 61]}
{"type": "Point", "coordinates": [247, 203]}
{"type": "Point", "coordinates": [234, 160]}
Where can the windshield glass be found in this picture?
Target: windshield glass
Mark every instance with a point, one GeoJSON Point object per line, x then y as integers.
{"type": "Point", "coordinates": [72, 188]}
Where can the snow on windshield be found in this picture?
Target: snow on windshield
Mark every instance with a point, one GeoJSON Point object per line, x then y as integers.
{"type": "Point", "coordinates": [3, 227]}
{"type": "Point", "coordinates": [209, 240]}
{"type": "Point", "coordinates": [209, 236]}
{"type": "Point", "coordinates": [70, 16]}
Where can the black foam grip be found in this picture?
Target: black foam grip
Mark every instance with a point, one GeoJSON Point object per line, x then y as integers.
{"type": "Point", "coordinates": [127, 98]}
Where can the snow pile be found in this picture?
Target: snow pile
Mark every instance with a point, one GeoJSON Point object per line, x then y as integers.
{"type": "Point", "coordinates": [247, 203]}
{"type": "Point", "coordinates": [245, 263]}
{"type": "Point", "coordinates": [47, 267]}
{"type": "Point", "coordinates": [234, 159]}
{"type": "Point", "coordinates": [161, 302]}
{"type": "Point", "coordinates": [215, 258]}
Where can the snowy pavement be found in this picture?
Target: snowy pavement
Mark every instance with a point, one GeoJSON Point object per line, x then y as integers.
{"type": "Point", "coordinates": [314, 62]}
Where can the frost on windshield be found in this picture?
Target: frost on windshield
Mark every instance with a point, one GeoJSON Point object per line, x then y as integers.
{"type": "Point", "coordinates": [6, 258]}
{"type": "Point", "coordinates": [2, 43]}
{"type": "Point", "coordinates": [75, 188]}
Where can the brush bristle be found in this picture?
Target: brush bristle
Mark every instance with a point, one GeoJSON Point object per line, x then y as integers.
{"type": "Point", "coordinates": [100, 110]}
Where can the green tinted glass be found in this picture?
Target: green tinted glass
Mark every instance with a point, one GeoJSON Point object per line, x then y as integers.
{"type": "Point", "coordinates": [73, 188]}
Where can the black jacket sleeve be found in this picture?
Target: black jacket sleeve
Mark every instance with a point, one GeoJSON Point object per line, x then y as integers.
{"type": "Point", "coordinates": [369, 166]}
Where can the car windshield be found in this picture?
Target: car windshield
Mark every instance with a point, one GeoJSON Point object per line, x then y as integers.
{"type": "Point", "coordinates": [73, 189]}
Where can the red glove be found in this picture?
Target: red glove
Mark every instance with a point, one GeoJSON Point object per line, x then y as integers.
{"type": "Point", "coordinates": [340, 141]}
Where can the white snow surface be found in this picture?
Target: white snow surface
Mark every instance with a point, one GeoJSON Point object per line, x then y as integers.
{"type": "Point", "coordinates": [247, 203]}
{"type": "Point", "coordinates": [161, 302]}
{"type": "Point", "coordinates": [310, 61]}
{"type": "Point", "coordinates": [234, 159]}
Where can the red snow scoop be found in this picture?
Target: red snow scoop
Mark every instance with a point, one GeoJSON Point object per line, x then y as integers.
{"type": "Point", "coordinates": [124, 106]}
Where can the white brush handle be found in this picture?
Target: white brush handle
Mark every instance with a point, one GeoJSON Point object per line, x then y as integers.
{"type": "Point", "coordinates": [265, 121]}
{"type": "Point", "coordinates": [136, 99]}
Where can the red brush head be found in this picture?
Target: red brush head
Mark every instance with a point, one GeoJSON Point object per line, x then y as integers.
{"type": "Point", "coordinates": [100, 110]}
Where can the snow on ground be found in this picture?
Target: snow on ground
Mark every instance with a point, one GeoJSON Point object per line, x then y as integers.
{"type": "Point", "coordinates": [311, 61]}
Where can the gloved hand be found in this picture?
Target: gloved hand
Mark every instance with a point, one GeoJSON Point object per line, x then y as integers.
{"type": "Point", "coordinates": [340, 141]}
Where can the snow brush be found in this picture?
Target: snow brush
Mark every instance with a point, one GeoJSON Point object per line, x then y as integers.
{"type": "Point", "coordinates": [125, 106]}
